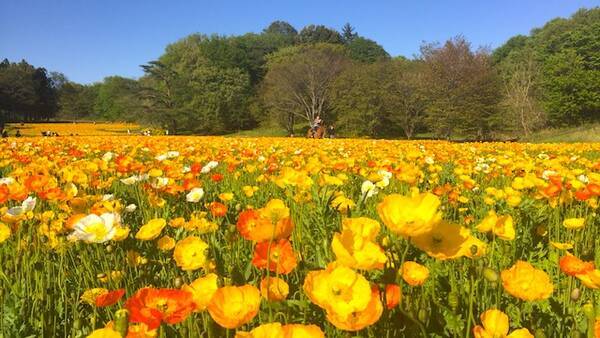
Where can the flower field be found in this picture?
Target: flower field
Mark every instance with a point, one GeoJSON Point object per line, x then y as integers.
{"type": "Point", "coordinates": [273, 237]}
{"type": "Point", "coordinates": [70, 129]}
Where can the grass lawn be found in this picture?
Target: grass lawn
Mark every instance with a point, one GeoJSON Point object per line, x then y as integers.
{"type": "Point", "coordinates": [586, 133]}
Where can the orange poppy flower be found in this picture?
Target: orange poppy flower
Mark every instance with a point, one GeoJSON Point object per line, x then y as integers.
{"type": "Point", "coordinates": [393, 294]}
{"type": "Point", "coordinates": [4, 193]}
{"type": "Point", "coordinates": [247, 221]}
{"type": "Point", "coordinates": [359, 320]}
{"type": "Point", "coordinates": [18, 193]}
{"type": "Point", "coordinates": [413, 273]}
{"type": "Point", "coordinates": [302, 331]}
{"type": "Point", "coordinates": [594, 189]}
{"type": "Point", "coordinates": [583, 194]}
{"type": "Point", "coordinates": [218, 209]}
{"type": "Point", "coordinates": [278, 256]}
{"type": "Point", "coordinates": [253, 226]}
{"type": "Point", "coordinates": [153, 306]}
{"type": "Point", "coordinates": [37, 182]}
{"type": "Point", "coordinates": [109, 298]}
{"type": "Point", "coordinates": [271, 222]}
{"type": "Point", "coordinates": [216, 177]}
{"type": "Point", "coordinates": [551, 190]}
{"type": "Point", "coordinates": [233, 306]}
{"type": "Point", "coordinates": [572, 265]}
{"type": "Point", "coordinates": [52, 194]}
{"type": "Point", "coordinates": [190, 183]}
{"type": "Point", "coordinates": [274, 289]}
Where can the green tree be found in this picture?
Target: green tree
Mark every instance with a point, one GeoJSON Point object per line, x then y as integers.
{"type": "Point", "coordinates": [571, 92]}
{"type": "Point", "coordinates": [357, 99]}
{"type": "Point", "coordinates": [348, 33]}
{"type": "Point", "coordinates": [366, 50]}
{"type": "Point", "coordinates": [319, 33]}
{"type": "Point", "coordinates": [464, 90]}
{"type": "Point", "coordinates": [299, 80]}
{"type": "Point", "coordinates": [26, 92]}
{"type": "Point", "coordinates": [76, 101]}
{"type": "Point", "coordinates": [382, 99]}
{"type": "Point", "coordinates": [281, 30]}
{"type": "Point", "coordinates": [117, 99]}
{"type": "Point", "coordinates": [565, 52]}
{"type": "Point", "coordinates": [520, 74]}
{"type": "Point", "coordinates": [405, 96]}
{"type": "Point", "coordinates": [203, 84]}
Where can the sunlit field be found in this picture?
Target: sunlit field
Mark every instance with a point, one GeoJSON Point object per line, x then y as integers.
{"type": "Point", "coordinates": [72, 129]}
{"type": "Point", "coordinates": [274, 237]}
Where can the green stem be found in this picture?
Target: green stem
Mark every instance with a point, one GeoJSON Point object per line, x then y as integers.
{"type": "Point", "coordinates": [471, 298]}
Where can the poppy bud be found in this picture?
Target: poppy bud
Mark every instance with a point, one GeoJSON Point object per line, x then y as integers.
{"type": "Point", "coordinates": [422, 315]}
{"type": "Point", "coordinates": [575, 294]}
{"type": "Point", "coordinates": [490, 275]}
{"type": "Point", "coordinates": [588, 310]}
{"type": "Point", "coordinates": [178, 282]}
{"type": "Point", "coordinates": [453, 300]}
{"type": "Point", "coordinates": [109, 248]}
{"type": "Point", "coordinates": [77, 324]}
{"type": "Point", "coordinates": [121, 321]}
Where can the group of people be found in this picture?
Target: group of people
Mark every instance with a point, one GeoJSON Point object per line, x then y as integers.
{"type": "Point", "coordinates": [48, 133]}
{"type": "Point", "coordinates": [317, 124]}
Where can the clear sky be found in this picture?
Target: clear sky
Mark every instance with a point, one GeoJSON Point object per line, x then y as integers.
{"type": "Point", "coordinates": [88, 40]}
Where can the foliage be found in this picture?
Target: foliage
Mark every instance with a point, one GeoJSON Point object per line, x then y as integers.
{"type": "Point", "coordinates": [365, 50]}
{"type": "Point", "coordinates": [299, 80]}
{"type": "Point", "coordinates": [566, 54]}
{"type": "Point", "coordinates": [464, 89]}
{"type": "Point", "coordinates": [319, 34]}
{"type": "Point", "coordinates": [77, 101]}
{"type": "Point", "coordinates": [117, 99]}
{"type": "Point", "coordinates": [26, 93]}
{"type": "Point", "coordinates": [358, 100]}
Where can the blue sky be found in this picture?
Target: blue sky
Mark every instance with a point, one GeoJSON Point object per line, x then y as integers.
{"type": "Point", "coordinates": [88, 40]}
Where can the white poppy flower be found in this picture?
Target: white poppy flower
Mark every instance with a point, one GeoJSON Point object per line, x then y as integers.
{"type": "Point", "coordinates": [95, 229]}
{"type": "Point", "coordinates": [368, 189]}
{"type": "Point", "coordinates": [194, 195]}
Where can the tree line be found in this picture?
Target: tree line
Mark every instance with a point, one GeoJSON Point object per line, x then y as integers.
{"type": "Point", "coordinates": [219, 84]}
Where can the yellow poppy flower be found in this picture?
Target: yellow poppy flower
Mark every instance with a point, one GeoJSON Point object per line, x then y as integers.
{"type": "Point", "coordinates": [525, 282]}
{"type": "Point", "coordinates": [447, 241]}
{"type": "Point", "coordinates": [574, 223]}
{"type": "Point", "coordinates": [190, 253]}
{"type": "Point", "coordinates": [151, 230]}
{"type": "Point", "coordinates": [410, 216]}
{"type": "Point", "coordinates": [202, 290]}
{"type": "Point", "coordinates": [500, 226]}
